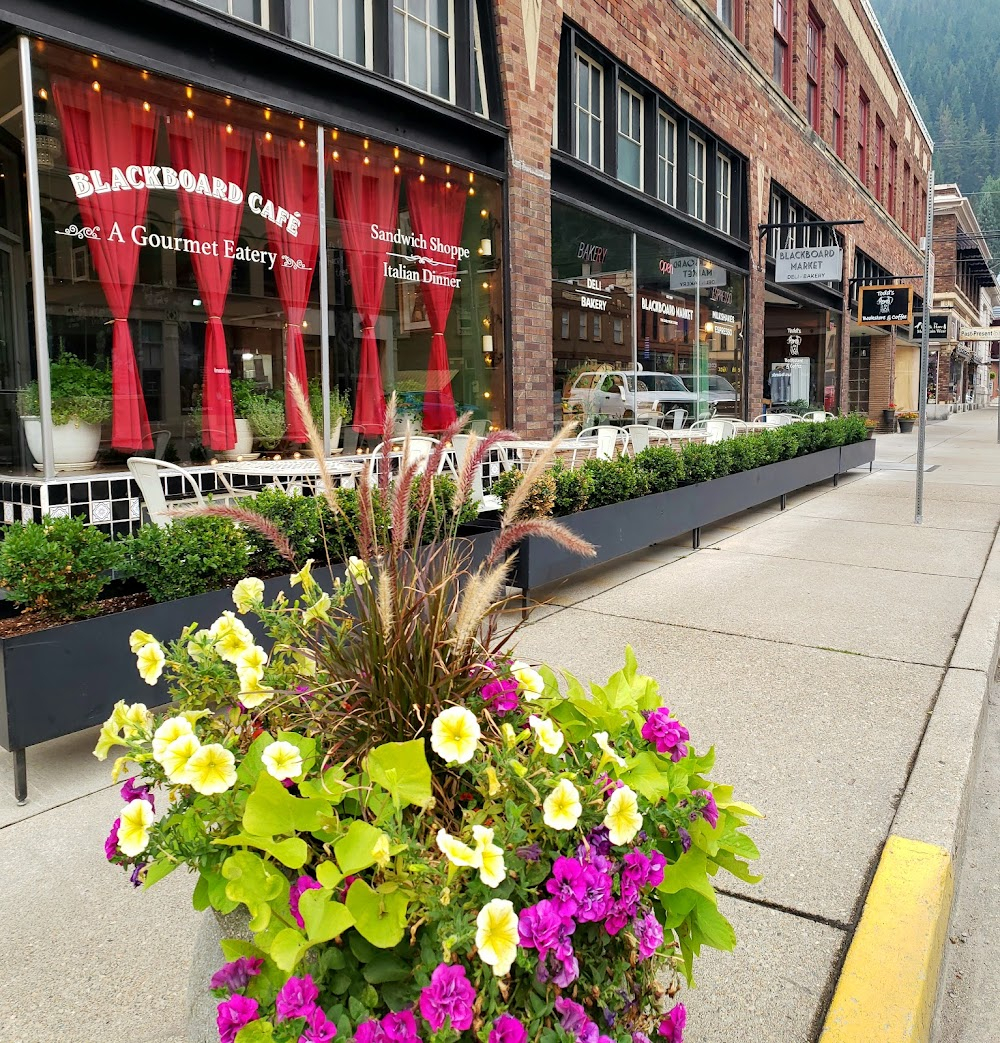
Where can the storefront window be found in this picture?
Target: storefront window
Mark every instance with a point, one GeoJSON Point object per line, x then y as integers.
{"type": "Point", "coordinates": [181, 253]}
{"type": "Point", "coordinates": [800, 359]}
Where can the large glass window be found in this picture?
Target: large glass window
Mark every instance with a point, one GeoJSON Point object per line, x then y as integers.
{"type": "Point", "coordinates": [588, 108]}
{"type": "Point", "coordinates": [337, 27]}
{"type": "Point", "coordinates": [255, 11]}
{"type": "Point", "coordinates": [730, 12]}
{"type": "Point", "coordinates": [696, 177]}
{"type": "Point", "coordinates": [879, 156]}
{"type": "Point", "coordinates": [422, 45]}
{"type": "Point", "coordinates": [814, 56]}
{"type": "Point", "coordinates": [629, 137]}
{"type": "Point", "coordinates": [782, 71]}
{"type": "Point", "coordinates": [666, 159]}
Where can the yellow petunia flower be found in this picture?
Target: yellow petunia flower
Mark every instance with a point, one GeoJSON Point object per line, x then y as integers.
{"type": "Point", "coordinates": [282, 760]}
{"type": "Point", "coordinates": [380, 850]}
{"type": "Point", "coordinates": [201, 646]}
{"type": "Point", "coordinates": [176, 756]}
{"type": "Point", "coordinates": [253, 691]}
{"type": "Point", "coordinates": [496, 935]}
{"type": "Point", "coordinates": [530, 681]}
{"type": "Point", "coordinates": [254, 658]}
{"type": "Point", "coordinates": [304, 576]}
{"type": "Point", "coordinates": [489, 856]}
{"type": "Point", "coordinates": [359, 571]}
{"type": "Point", "coordinates": [172, 728]}
{"type": "Point", "coordinates": [455, 735]}
{"type": "Point", "coordinates": [561, 809]}
{"type": "Point", "coordinates": [211, 770]}
{"type": "Point", "coordinates": [601, 738]}
{"type": "Point", "coordinates": [623, 818]}
{"type": "Point", "coordinates": [549, 737]}
{"type": "Point", "coordinates": [109, 736]}
{"type": "Point", "coordinates": [457, 853]}
{"type": "Point", "coordinates": [133, 830]}
{"type": "Point", "coordinates": [318, 610]}
{"type": "Point", "coordinates": [233, 644]}
{"type": "Point", "coordinates": [150, 660]}
{"type": "Point", "coordinates": [247, 593]}
{"type": "Point", "coordinates": [492, 781]}
{"type": "Point", "coordinates": [118, 768]}
{"type": "Point", "coordinates": [137, 639]}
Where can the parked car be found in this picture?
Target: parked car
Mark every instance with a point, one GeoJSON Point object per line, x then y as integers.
{"type": "Point", "coordinates": [610, 394]}
{"type": "Point", "coordinates": [719, 389]}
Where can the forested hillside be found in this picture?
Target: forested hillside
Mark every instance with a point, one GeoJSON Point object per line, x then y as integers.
{"type": "Point", "coordinates": [950, 56]}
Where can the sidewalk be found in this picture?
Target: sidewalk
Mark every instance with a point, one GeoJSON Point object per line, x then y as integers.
{"type": "Point", "coordinates": [808, 645]}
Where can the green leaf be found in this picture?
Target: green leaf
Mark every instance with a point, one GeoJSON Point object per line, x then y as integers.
{"type": "Point", "coordinates": [306, 747]}
{"type": "Point", "coordinates": [329, 787]}
{"type": "Point", "coordinates": [379, 917]}
{"type": "Point", "coordinates": [363, 951]}
{"type": "Point", "coordinates": [292, 852]}
{"type": "Point", "coordinates": [272, 811]}
{"type": "Point", "coordinates": [402, 770]}
{"type": "Point", "coordinates": [328, 875]}
{"type": "Point", "coordinates": [386, 968]}
{"type": "Point", "coordinates": [354, 849]}
{"type": "Point", "coordinates": [200, 897]}
{"type": "Point", "coordinates": [234, 948]}
{"type": "Point", "coordinates": [252, 765]}
{"type": "Point", "coordinates": [256, 1032]}
{"type": "Point", "coordinates": [712, 927]}
{"type": "Point", "coordinates": [739, 869]}
{"type": "Point", "coordinates": [739, 844]}
{"type": "Point", "coordinates": [287, 948]}
{"type": "Point", "coordinates": [648, 774]}
{"type": "Point", "coordinates": [324, 918]}
{"type": "Point", "coordinates": [157, 870]}
{"type": "Point", "coordinates": [690, 870]}
{"type": "Point", "coordinates": [254, 883]}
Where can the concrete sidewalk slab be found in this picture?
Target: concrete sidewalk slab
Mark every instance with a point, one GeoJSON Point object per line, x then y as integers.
{"type": "Point", "coordinates": [880, 484]}
{"type": "Point", "coordinates": [959, 516]}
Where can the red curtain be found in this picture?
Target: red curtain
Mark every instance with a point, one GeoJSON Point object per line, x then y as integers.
{"type": "Point", "coordinates": [437, 211]}
{"type": "Point", "coordinates": [102, 130]}
{"type": "Point", "coordinates": [215, 150]}
{"type": "Point", "coordinates": [289, 175]}
{"type": "Point", "coordinates": [366, 195]}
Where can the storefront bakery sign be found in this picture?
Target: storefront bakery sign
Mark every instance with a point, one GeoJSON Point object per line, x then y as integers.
{"type": "Point", "coordinates": [690, 273]}
{"type": "Point", "coordinates": [809, 264]}
{"type": "Point", "coordinates": [455, 252]}
{"type": "Point", "coordinates": [134, 178]}
{"type": "Point", "coordinates": [885, 305]}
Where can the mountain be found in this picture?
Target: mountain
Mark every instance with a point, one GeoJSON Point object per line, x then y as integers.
{"type": "Point", "coordinates": [949, 54]}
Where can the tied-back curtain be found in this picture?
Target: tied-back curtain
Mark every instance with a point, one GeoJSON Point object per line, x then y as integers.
{"type": "Point", "coordinates": [437, 213]}
{"type": "Point", "coordinates": [366, 195]}
{"type": "Point", "coordinates": [216, 150]}
{"type": "Point", "coordinates": [102, 130]}
{"type": "Point", "coordinates": [289, 176]}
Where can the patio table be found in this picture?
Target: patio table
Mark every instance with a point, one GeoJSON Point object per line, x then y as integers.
{"type": "Point", "coordinates": [287, 473]}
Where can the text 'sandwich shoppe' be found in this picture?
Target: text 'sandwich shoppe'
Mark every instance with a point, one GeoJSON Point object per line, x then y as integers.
{"type": "Point", "coordinates": [182, 234]}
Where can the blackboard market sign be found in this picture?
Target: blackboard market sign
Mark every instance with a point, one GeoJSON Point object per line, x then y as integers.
{"type": "Point", "coordinates": [809, 264]}
{"type": "Point", "coordinates": [885, 305]}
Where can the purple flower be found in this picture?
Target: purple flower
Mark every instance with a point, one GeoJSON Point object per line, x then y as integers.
{"type": "Point", "coordinates": [598, 842]}
{"type": "Point", "coordinates": [111, 843]}
{"type": "Point", "coordinates": [649, 934]}
{"type": "Point", "coordinates": [233, 1014]}
{"type": "Point", "coordinates": [569, 970]}
{"type": "Point", "coordinates": [296, 998]}
{"type": "Point", "coordinates": [685, 838]}
{"type": "Point", "coordinates": [640, 1037]}
{"type": "Point", "coordinates": [571, 1014]}
{"type": "Point", "coordinates": [130, 792]}
{"type": "Point", "coordinates": [593, 905]}
{"type": "Point", "coordinates": [672, 1026]}
{"type": "Point", "coordinates": [618, 916]}
{"type": "Point", "coordinates": [507, 1029]}
{"type": "Point", "coordinates": [709, 810]}
{"type": "Point", "coordinates": [138, 874]}
{"type": "Point", "coordinates": [530, 853]}
{"type": "Point", "coordinates": [295, 893]}
{"type": "Point", "coordinates": [319, 1028]}
{"type": "Point", "coordinates": [449, 997]}
{"type": "Point", "coordinates": [635, 873]}
{"type": "Point", "coordinates": [666, 734]}
{"type": "Point", "coordinates": [348, 880]}
{"type": "Point", "coordinates": [369, 1032]}
{"type": "Point", "coordinates": [657, 863]}
{"type": "Point", "coordinates": [400, 1028]}
{"type": "Point", "coordinates": [567, 885]}
{"type": "Point", "coordinates": [234, 976]}
{"type": "Point", "coordinates": [500, 695]}
{"type": "Point", "coordinates": [542, 927]}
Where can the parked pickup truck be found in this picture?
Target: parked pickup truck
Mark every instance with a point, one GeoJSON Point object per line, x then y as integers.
{"type": "Point", "coordinates": [611, 394]}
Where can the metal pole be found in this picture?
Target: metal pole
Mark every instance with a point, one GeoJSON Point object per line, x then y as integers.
{"type": "Point", "coordinates": [696, 357]}
{"type": "Point", "coordinates": [37, 261]}
{"type": "Point", "coordinates": [635, 332]}
{"type": "Point", "coordinates": [324, 290]}
{"type": "Point", "coordinates": [924, 352]}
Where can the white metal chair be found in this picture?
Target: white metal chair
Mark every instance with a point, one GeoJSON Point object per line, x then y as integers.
{"type": "Point", "coordinates": [418, 448]}
{"type": "Point", "coordinates": [715, 430]}
{"type": "Point", "coordinates": [147, 471]}
{"type": "Point", "coordinates": [638, 437]}
{"type": "Point", "coordinates": [739, 426]}
{"type": "Point", "coordinates": [777, 419]}
{"type": "Point", "coordinates": [675, 418]}
{"type": "Point", "coordinates": [607, 441]}
{"type": "Point", "coordinates": [818, 415]}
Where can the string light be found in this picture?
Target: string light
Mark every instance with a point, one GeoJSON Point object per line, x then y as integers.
{"type": "Point", "coordinates": [366, 143]}
{"type": "Point", "coordinates": [447, 168]}
{"type": "Point", "coordinates": [94, 62]}
{"type": "Point", "coordinates": [486, 394]}
{"type": "Point", "coordinates": [395, 169]}
{"type": "Point", "coordinates": [43, 94]}
{"type": "Point", "coordinates": [486, 285]}
{"type": "Point", "coordinates": [472, 177]}
{"type": "Point", "coordinates": [395, 152]}
{"type": "Point", "coordinates": [422, 178]}
{"type": "Point", "coordinates": [421, 161]}
{"type": "Point", "coordinates": [484, 213]}
{"type": "Point", "coordinates": [96, 86]}
{"type": "Point", "coordinates": [447, 184]}
{"type": "Point", "coordinates": [229, 101]}
{"type": "Point", "coordinates": [336, 154]}
{"type": "Point", "coordinates": [368, 160]}
{"type": "Point", "coordinates": [229, 128]}
{"type": "Point", "coordinates": [145, 74]}
{"type": "Point", "coordinates": [334, 134]}
{"type": "Point", "coordinates": [190, 114]}
{"type": "Point", "coordinates": [189, 92]}
{"type": "Point", "coordinates": [267, 114]}
{"type": "Point", "coordinates": [267, 135]}
{"type": "Point", "coordinates": [302, 142]}
{"type": "Point", "coordinates": [302, 124]}
{"type": "Point", "coordinates": [146, 106]}
{"type": "Point", "coordinates": [472, 191]}
{"type": "Point", "coordinates": [296, 456]}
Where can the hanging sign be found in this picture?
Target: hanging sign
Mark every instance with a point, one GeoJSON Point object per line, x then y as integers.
{"type": "Point", "coordinates": [809, 264]}
{"type": "Point", "coordinates": [885, 305]}
{"type": "Point", "coordinates": [937, 326]}
{"type": "Point", "coordinates": [979, 333]}
{"type": "Point", "coordinates": [690, 273]}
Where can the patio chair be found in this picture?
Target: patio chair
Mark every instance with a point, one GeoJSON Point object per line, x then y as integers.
{"type": "Point", "coordinates": [638, 436]}
{"type": "Point", "coordinates": [485, 501]}
{"type": "Point", "coordinates": [818, 416]}
{"type": "Point", "coordinates": [147, 472]}
{"type": "Point", "coordinates": [419, 448]}
{"type": "Point", "coordinates": [715, 430]}
{"type": "Point", "coordinates": [607, 441]}
{"type": "Point", "coordinates": [675, 418]}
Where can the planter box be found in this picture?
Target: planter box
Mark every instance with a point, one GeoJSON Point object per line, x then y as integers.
{"type": "Point", "coordinates": [624, 528]}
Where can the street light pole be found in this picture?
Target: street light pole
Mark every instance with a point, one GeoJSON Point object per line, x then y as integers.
{"type": "Point", "coordinates": [924, 352]}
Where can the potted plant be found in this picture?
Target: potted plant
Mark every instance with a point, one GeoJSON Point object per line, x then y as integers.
{"type": "Point", "coordinates": [266, 416]}
{"type": "Point", "coordinates": [889, 416]}
{"type": "Point", "coordinates": [81, 403]}
{"type": "Point", "coordinates": [244, 394]}
{"type": "Point", "coordinates": [340, 409]}
{"type": "Point", "coordinates": [906, 422]}
{"type": "Point", "coordinates": [870, 427]}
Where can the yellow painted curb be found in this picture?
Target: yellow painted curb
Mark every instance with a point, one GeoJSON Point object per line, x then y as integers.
{"type": "Point", "coordinates": [888, 986]}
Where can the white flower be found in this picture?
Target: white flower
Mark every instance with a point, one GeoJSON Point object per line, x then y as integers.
{"type": "Point", "coordinates": [529, 680]}
{"type": "Point", "coordinates": [247, 593]}
{"type": "Point", "coordinates": [172, 728]}
{"type": "Point", "coordinates": [137, 639]}
{"type": "Point", "coordinates": [601, 738]}
{"type": "Point", "coordinates": [150, 659]}
{"type": "Point", "coordinates": [455, 735]}
{"type": "Point", "coordinates": [176, 756]}
{"type": "Point", "coordinates": [358, 571]}
{"type": "Point", "coordinates": [496, 935]}
{"type": "Point", "coordinates": [561, 809]}
{"type": "Point", "coordinates": [282, 760]}
{"type": "Point", "coordinates": [457, 853]}
{"type": "Point", "coordinates": [549, 737]}
{"type": "Point", "coordinates": [623, 818]}
{"type": "Point", "coordinates": [489, 857]}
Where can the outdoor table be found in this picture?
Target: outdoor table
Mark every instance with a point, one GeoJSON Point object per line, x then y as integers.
{"type": "Point", "coordinates": [287, 473]}
{"type": "Point", "coordinates": [524, 450]}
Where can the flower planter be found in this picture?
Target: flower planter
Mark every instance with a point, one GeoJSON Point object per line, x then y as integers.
{"type": "Point", "coordinates": [74, 446]}
{"type": "Point", "coordinates": [905, 426]}
{"type": "Point", "coordinates": [889, 418]}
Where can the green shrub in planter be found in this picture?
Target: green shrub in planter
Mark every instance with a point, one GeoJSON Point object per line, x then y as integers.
{"type": "Point", "coordinates": [539, 501]}
{"type": "Point", "coordinates": [573, 489]}
{"type": "Point", "coordinates": [663, 468]}
{"type": "Point", "coordinates": [615, 481]}
{"type": "Point", "coordinates": [191, 556]}
{"type": "Point", "coordinates": [442, 518]}
{"type": "Point", "coordinates": [788, 440]}
{"type": "Point", "coordinates": [699, 462]}
{"type": "Point", "coordinates": [300, 518]}
{"type": "Point", "coordinates": [855, 427]}
{"type": "Point", "coordinates": [57, 567]}
{"type": "Point", "coordinates": [725, 460]}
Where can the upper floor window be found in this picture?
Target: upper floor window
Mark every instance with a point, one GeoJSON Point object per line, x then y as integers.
{"type": "Point", "coordinates": [589, 124]}
{"type": "Point", "coordinates": [839, 103]}
{"type": "Point", "coordinates": [814, 54]}
{"type": "Point", "coordinates": [666, 159]}
{"type": "Point", "coordinates": [338, 27]}
{"type": "Point", "coordinates": [916, 212]}
{"type": "Point", "coordinates": [255, 11]}
{"type": "Point", "coordinates": [723, 193]}
{"type": "Point", "coordinates": [904, 220]}
{"type": "Point", "coordinates": [730, 12]}
{"type": "Point", "coordinates": [629, 137]}
{"type": "Point", "coordinates": [879, 156]}
{"type": "Point", "coordinates": [863, 109]}
{"type": "Point", "coordinates": [890, 179]}
{"type": "Point", "coordinates": [782, 45]}
{"type": "Point", "coordinates": [422, 51]}
{"type": "Point", "coordinates": [696, 177]}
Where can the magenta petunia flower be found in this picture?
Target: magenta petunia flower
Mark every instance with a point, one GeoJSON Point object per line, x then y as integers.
{"type": "Point", "coordinates": [649, 934]}
{"type": "Point", "coordinates": [666, 734]}
{"type": "Point", "coordinates": [400, 1028]}
{"type": "Point", "coordinates": [657, 863]}
{"type": "Point", "coordinates": [111, 843]}
{"type": "Point", "coordinates": [296, 998]}
{"type": "Point", "coordinates": [507, 1029]}
{"type": "Point", "coordinates": [593, 906]}
{"type": "Point", "coordinates": [369, 1032]}
{"type": "Point", "coordinates": [635, 873]}
{"type": "Point", "coordinates": [449, 997]}
{"type": "Point", "coordinates": [130, 792]}
{"type": "Point", "coordinates": [672, 1026]}
{"type": "Point", "coordinates": [235, 976]}
{"type": "Point", "coordinates": [319, 1028]}
{"type": "Point", "coordinates": [500, 695]}
{"type": "Point", "coordinates": [685, 838]}
{"type": "Point", "coordinates": [709, 810]}
{"type": "Point", "coordinates": [232, 1014]}
{"type": "Point", "coordinates": [542, 927]}
{"type": "Point", "coordinates": [295, 893]}
{"type": "Point", "coordinates": [569, 970]}
{"type": "Point", "coordinates": [138, 874]}
{"type": "Point", "coordinates": [618, 916]}
{"type": "Point", "coordinates": [567, 885]}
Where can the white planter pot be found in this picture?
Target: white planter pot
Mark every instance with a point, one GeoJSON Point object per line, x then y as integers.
{"type": "Point", "coordinates": [335, 433]}
{"type": "Point", "coordinates": [74, 445]}
{"type": "Point", "coordinates": [244, 442]}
